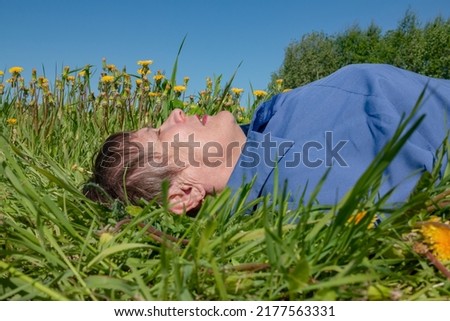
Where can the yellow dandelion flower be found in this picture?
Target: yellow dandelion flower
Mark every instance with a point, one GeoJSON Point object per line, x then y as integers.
{"type": "Point", "coordinates": [158, 77]}
{"type": "Point", "coordinates": [237, 91]}
{"type": "Point", "coordinates": [107, 79]}
{"type": "Point", "coordinates": [144, 71]}
{"type": "Point", "coordinates": [138, 82]}
{"type": "Point", "coordinates": [437, 237]}
{"type": "Point", "coordinates": [15, 70]}
{"type": "Point", "coordinates": [82, 73]}
{"type": "Point", "coordinates": [1, 73]}
{"type": "Point", "coordinates": [179, 88]}
{"type": "Point", "coordinates": [144, 63]}
{"type": "Point", "coordinates": [71, 78]}
{"type": "Point", "coordinates": [154, 94]}
{"type": "Point", "coordinates": [356, 219]}
{"type": "Point", "coordinates": [11, 121]}
{"type": "Point", "coordinates": [259, 93]}
{"type": "Point", "coordinates": [279, 81]}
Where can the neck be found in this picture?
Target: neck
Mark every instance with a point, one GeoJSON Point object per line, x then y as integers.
{"type": "Point", "coordinates": [220, 175]}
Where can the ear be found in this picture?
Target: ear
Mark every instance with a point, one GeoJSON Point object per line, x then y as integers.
{"type": "Point", "coordinates": [186, 197]}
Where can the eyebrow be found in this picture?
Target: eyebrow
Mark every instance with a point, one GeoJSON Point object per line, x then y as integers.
{"type": "Point", "coordinates": [155, 134]}
{"type": "Point", "coordinates": [155, 131]}
{"type": "Point", "coordinates": [152, 129]}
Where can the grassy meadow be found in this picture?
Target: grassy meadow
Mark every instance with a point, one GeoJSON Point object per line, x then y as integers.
{"type": "Point", "coordinates": [57, 245]}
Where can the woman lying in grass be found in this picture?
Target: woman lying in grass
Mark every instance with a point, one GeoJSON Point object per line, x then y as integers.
{"type": "Point", "coordinates": [335, 126]}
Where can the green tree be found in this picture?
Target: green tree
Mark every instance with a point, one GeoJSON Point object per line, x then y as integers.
{"type": "Point", "coordinates": [359, 46]}
{"type": "Point", "coordinates": [410, 46]}
{"type": "Point", "coordinates": [310, 59]}
{"type": "Point", "coordinates": [405, 46]}
{"type": "Point", "coordinates": [437, 48]}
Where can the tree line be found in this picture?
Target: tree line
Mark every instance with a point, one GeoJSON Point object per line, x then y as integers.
{"type": "Point", "coordinates": [422, 49]}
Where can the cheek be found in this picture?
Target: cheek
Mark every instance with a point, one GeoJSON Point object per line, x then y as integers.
{"type": "Point", "coordinates": [181, 132]}
{"type": "Point", "coordinates": [183, 145]}
{"type": "Point", "coordinates": [225, 135]}
{"type": "Point", "coordinates": [215, 148]}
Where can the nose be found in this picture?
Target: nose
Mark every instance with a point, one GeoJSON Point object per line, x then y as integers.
{"type": "Point", "coordinates": [177, 116]}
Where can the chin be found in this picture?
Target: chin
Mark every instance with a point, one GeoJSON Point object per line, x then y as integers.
{"type": "Point", "coordinates": [226, 115]}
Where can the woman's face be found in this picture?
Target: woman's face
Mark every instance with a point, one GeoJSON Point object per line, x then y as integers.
{"type": "Point", "coordinates": [199, 141]}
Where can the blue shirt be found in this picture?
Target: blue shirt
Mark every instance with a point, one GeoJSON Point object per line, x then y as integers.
{"type": "Point", "coordinates": [339, 124]}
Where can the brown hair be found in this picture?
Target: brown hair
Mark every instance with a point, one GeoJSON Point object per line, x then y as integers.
{"type": "Point", "coordinates": [124, 170]}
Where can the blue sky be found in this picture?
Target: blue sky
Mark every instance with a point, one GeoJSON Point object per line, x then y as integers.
{"type": "Point", "coordinates": [220, 35]}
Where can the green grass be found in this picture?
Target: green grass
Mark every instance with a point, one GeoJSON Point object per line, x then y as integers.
{"type": "Point", "coordinates": [57, 245]}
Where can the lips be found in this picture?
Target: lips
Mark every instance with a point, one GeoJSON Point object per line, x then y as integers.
{"type": "Point", "coordinates": [202, 119]}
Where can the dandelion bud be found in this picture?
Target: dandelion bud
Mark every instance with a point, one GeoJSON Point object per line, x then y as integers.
{"type": "Point", "coordinates": [208, 83]}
